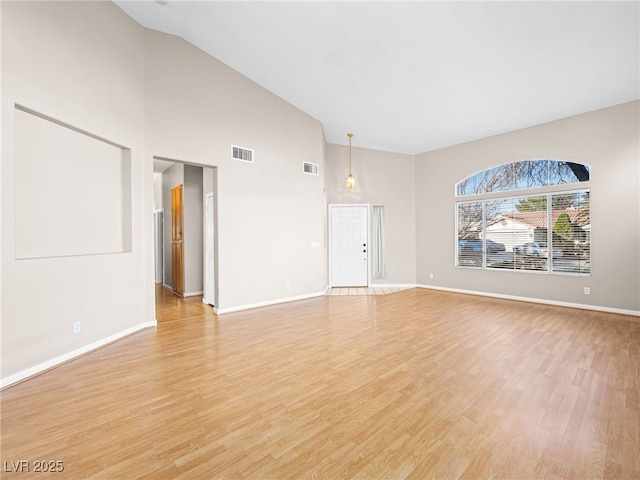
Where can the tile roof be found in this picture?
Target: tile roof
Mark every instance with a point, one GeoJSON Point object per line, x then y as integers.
{"type": "Point", "coordinates": [538, 219]}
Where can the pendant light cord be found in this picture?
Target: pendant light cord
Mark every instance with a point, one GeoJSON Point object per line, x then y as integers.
{"type": "Point", "coordinates": [350, 135]}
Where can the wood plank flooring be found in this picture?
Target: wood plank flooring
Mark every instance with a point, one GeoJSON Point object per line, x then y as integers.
{"type": "Point", "coordinates": [171, 307]}
{"type": "Point", "coordinates": [418, 384]}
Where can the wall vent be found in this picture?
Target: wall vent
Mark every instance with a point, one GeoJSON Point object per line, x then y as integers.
{"type": "Point", "coordinates": [242, 154]}
{"type": "Point", "coordinates": [310, 168]}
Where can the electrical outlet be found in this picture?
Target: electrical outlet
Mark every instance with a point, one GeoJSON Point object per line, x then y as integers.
{"type": "Point", "coordinates": [76, 327]}
{"type": "Point", "coordinates": [587, 291]}
{"type": "Point", "coordinates": [431, 275]}
{"type": "Point", "coordinates": [287, 285]}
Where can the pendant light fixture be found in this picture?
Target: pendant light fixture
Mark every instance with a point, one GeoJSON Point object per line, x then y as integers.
{"type": "Point", "coordinates": [351, 182]}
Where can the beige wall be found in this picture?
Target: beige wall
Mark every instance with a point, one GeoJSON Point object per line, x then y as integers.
{"type": "Point", "coordinates": [605, 139]}
{"type": "Point", "coordinates": [89, 65]}
{"type": "Point", "coordinates": [382, 178]}
{"type": "Point", "coordinates": [81, 64]}
{"type": "Point", "coordinates": [269, 212]}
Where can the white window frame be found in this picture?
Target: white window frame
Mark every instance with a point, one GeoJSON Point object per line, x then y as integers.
{"type": "Point", "coordinates": [548, 191]}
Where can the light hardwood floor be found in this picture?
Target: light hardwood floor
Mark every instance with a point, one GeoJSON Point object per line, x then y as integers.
{"type": "Point", "coordinates": [171, 307]}
{"type": "Point", "coordinates": [417, 384]}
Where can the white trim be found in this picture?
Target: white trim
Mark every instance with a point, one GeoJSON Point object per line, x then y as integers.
{"type": "Point", "coordinates": [158, 255]}
{"type": "Point", "coordinates": [193, 294]}
{"type": "Point", "coordinates": [525, 192]}
{"type": "Point", "coordinates": [183, 295]}
{"type": "Point", "coordinates": [597, 308]}
{"type": "Point", "coordinates": [220, 311]}
{"type": "Point", "coordinates": [54, 362]}
{"type": "Point", "coordinates": [205, 222]}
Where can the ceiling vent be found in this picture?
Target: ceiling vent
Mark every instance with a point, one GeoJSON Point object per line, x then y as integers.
{"type": "Point", "coordinates": [310, 168]}
{"type": "Point", "coordinates": [242, 154]}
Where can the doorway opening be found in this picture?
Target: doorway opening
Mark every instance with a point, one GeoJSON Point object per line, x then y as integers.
{"type": "Point", "coordinates": [185, 280]}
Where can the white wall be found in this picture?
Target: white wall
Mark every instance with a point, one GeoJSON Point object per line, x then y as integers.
{"type": "Point", "coordinates": [382, 178]}
{"type": "Point", "coordinates": [608, 140]}
{"type": "Point", "coordinates": [81, 63]}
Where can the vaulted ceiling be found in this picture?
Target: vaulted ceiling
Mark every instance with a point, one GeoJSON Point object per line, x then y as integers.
{"type": "Point", "coordinates": [415, 76]}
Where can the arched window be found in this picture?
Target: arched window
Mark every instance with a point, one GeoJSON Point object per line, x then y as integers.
{"type": "Point", "coordinates": [531, 215]}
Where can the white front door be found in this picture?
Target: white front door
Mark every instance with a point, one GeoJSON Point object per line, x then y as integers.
{"type": "Point", "coordinates": [209, 253]}
{"type": "Point", "coordinates": [349, 245]}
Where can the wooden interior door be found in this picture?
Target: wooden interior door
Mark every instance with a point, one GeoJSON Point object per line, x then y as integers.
{"type": "Point", "coordinates": [177, 241]}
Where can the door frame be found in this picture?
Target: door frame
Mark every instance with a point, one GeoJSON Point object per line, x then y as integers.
{"type": "Point", "coordinates": [214, 184]}
{"type": "Point", "coordinates": [158, 231]}
{"type": "Point", "coordinates": [209, 261]}
{"type": "Point", "coordinates": [329, 250]}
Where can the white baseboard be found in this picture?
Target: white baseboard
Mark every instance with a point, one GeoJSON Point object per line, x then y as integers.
{"type": "Point", "coordinates": [186, 294]}
{"type": "Point", "coordinates": [379, 285]}
{"type": "Point", "coordinates": [582, 306]}
{"type": "Point", "coordinates": [54, 362]}
{"type": "Point", "coordinates": [220, 311]}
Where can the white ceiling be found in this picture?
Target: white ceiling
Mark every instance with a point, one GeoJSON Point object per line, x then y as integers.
{"type": "Point", "coordinates": [411, 77]}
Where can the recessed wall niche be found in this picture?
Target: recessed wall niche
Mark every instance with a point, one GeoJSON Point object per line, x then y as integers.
{"type": "Point", "coordinates": [72, 190]}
